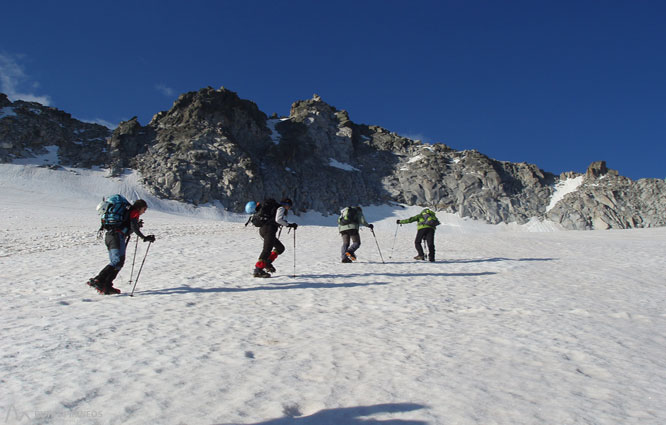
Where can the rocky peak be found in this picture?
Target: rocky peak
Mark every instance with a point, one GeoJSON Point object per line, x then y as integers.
{"type": "Point", "coordinates": [607, 200]}
{"type": "Point", "coordinates": [329, 130]}
{"type": "Point", "coordinates": [208, 107]}
{"type": "Point", "coordinates": [28, 128]}
{"type": "Point", "coordinates": [128, 140]}
{"type": "Point", "coordinates": [598, 169]}
{"type": "Point", "coordinates": [316, 108]}
{"type": "Point", "coordinates": [214, 146]}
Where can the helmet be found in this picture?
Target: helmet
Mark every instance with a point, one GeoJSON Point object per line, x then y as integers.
{"type": "Point", "coordinates": [251, 207]}
{"type": "Point", "coordinates": [286, 202]}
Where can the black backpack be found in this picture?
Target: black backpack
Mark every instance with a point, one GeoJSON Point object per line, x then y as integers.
{"type": "Point", "coordinates": [265, 212]}
{"type": "Point", "coordinates": [349, 215]}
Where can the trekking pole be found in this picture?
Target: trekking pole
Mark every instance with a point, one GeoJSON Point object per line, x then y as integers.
{"type": "Point", "coordinates": [140, 268]}
{"type": "Point", "coordinates": [380, 251]}
{"type": "Point", "coordinates": [294, 253]}
{"type": "Point", "coordinates": [397, 226]}
{"type": "Point", "coordinates": [136, 245]}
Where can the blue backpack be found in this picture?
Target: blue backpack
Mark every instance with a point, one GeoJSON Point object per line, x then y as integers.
{"type": "Point", "coordinates": [114, 212]}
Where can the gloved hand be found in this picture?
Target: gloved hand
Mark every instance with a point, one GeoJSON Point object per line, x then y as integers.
{"type": "Point", "coordinates": [292, 226]}
{"type": "Point", "coordinates": [140, 224]}
{"type": "Point", "coordinates": [149, 238]}
{"type": "Point", "coordinates": [397, 222]}
{"type": "Point", "coordinates": [371, 226]}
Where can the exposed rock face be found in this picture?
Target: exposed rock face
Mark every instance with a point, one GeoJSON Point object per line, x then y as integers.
{"type": "Point", "coordinates": [607, 200]}
{"type": "Point", "coordinates": [127, 141]}
{"type": "Point", "coordinates": [28, 128]}
{"type": "Point", "coordinates": [213, 146]}
{"type": "Point", "coordinates": [202, 149]}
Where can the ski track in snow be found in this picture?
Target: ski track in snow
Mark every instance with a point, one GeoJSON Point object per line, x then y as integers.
{"type": "Point", "coordinates": [505, 328]}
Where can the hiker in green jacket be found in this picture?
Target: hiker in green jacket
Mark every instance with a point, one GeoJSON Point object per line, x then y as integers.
{"type": "Point", "coordinates": [426, 221]}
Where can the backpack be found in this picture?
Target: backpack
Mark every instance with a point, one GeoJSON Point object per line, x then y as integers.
{"type": "Point", "coordinates": [265, 212]}
{"type": "Point", "coordinates": [429, 218]}
{"type": "Point", "coordinates": [114, 212]}
{"type": "Point", "coordinates": [349, 215]}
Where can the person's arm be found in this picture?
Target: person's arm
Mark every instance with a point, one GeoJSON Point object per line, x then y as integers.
{"type": "Point", "coordinates": [280, 217]}
{"type": "Point", "coordinates": [135, 227]}
{"type": "Point", "coordinates": [409, 220]}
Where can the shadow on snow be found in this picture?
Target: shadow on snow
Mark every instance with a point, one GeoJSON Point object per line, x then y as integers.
{"type": "Point", "coordinates": [496, 259]}
{"type": "Point", "coordinates": [348, 416]}
{"type": "Point", "coordinates": [185, 289]}
{"type": "Point", "coordinates": [333, 276]}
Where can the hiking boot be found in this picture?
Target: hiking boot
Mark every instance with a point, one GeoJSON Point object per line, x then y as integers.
{"type": "Point", "coordinates": [350, 256]}
{"type": "Point", "coordinates": [419, 257]}
{"type": "Point", "coordinates": [96, 285]}
{"type": "Point", "coordinates": [346, 260]}
{"type": "Point", "coordinates": [261, 273]}
{"type": "Point", "coordinates": [432, 260]}
{"type": "Point", "coordinates": [269, 268]}
{"type": "Point", "coordinates": [111, 291]}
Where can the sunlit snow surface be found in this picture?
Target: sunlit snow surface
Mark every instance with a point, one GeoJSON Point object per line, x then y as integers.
{"type": "Point", "coordinates": [509, 326]}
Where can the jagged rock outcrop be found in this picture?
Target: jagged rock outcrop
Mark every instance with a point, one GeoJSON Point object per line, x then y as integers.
{"type": "Point", "coordinates": [128, 140]}
{"type": "Point", "coordinates": [607, 200]}
{"type": "Point", "coordinates": [27, 129]}
{"type": "Point", "coordinates": [214, 146]}
{"type": "Point", "coordinates": [202, 149]}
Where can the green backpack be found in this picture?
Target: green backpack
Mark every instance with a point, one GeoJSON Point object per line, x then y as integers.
{"type": "Point", "coordinates": [349, 215]}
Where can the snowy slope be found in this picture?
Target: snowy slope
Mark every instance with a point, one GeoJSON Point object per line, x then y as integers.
{"type": "Point", "coordinates": [508, 327]}
{"type": "Point", "coordinates": [563, 188]}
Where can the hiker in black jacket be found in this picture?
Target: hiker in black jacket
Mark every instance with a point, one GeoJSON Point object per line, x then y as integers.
{"type": "Point", "coordinates": [275, 217]}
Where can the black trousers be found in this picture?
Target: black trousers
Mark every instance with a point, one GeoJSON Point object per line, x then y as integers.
{"type": "Point", "coordinates": [268, 233]}
{"type": "Point", "coordinates": [429, 235]}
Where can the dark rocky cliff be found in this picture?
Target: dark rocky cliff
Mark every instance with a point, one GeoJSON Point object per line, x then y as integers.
{"type": "Point", "coordinates": [214, 146]}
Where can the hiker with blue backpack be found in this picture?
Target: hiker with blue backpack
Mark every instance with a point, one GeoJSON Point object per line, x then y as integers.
{"type": "Point", "coordinates": [269, 216]}
{"type": "Point", "coordinates": [350, 220]}
{"type": "Point", "coordinates": [426, 222]}
{"type": "Point", "coordinates": [119, 219]}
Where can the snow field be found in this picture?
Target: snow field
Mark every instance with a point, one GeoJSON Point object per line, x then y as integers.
{"type": "Point", "coordinates": [507, 327]}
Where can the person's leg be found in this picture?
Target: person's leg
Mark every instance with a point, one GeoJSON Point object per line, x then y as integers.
{"type": "Point", "coordinates": [417, 244]}
{"type": "Point", "coordinates": [430, 240]}
{"type": "Point", "coordinates": [355, 243]}
{"type": "Point", "coordinates": [345, 246]}
{"type": "Point", "coordinates": [278, 248]}
{"type": "Point", "coordinates": [267, 232]}
{"type": "Point", "coordinates": [115, 243]}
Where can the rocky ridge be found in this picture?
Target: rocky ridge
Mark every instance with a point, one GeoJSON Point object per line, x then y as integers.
{"type": "Point", "coordinates": [27, 129]}
{"type": "Point", "coordinates": [214, 146]}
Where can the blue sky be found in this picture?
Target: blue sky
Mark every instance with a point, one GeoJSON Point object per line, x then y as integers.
{"type": "Point", "coordinates": [555, 83]}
